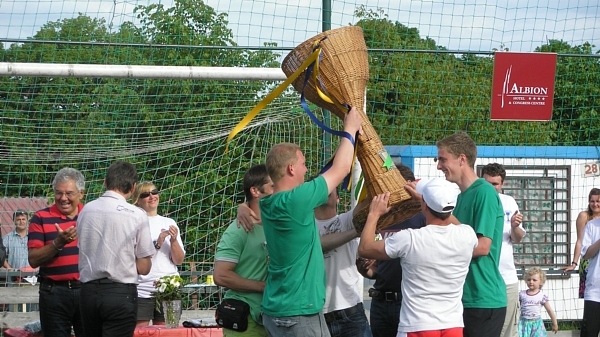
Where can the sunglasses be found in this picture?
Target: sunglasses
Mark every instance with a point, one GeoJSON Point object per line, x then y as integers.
{"type": "Point", "coordinates": [147, 194]}
{"type": "Point", "coordinates": [20, 212]}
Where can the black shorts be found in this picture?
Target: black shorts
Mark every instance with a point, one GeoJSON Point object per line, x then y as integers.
{"type": "Point", "coordinates": [147, 311]}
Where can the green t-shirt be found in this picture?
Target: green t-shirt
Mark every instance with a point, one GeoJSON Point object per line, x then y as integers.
{"type": "Point", "coordinates": [249, 252]}
{"type": "Point", "coordinates": [296, 277]}
{"type": "Point", "coordinates": [480, 207]}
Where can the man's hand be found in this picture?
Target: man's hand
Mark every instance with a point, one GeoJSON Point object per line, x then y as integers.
{"type": "Point", "coordinates": [366, 267]}
{"type": "Point", "coordinates": [353, 122]}
{"type": "Point", "coordinates": [516, 219]}
{"type": "Point", "coordinates": [379, 205]}
{"type": "Point", "coordinates": [246, 218]}
{"type": "Point", "coordinates": [65, 236]}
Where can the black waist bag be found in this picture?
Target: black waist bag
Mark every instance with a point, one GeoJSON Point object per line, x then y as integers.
{"type": "Point", "coordinates": [233, 314]}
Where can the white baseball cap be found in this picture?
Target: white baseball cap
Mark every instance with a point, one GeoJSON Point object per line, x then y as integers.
{"type": "Point", "coordinates": [439, 194]}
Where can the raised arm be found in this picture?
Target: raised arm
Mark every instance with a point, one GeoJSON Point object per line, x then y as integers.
{"type": "Point", "coordinates": [369, 248]}
{"type": "Point", "coordinates": [342, 161]}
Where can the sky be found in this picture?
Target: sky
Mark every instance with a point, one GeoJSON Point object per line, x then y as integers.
{"type": "Point", "coordinates": [455, 24]}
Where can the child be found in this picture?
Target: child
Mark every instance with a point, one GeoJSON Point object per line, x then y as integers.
{"type": "Point", "coordinates": [532, 299]}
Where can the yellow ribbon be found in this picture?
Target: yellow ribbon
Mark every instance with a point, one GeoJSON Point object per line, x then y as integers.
{"type": "Point", "coordinates": [271, 96]}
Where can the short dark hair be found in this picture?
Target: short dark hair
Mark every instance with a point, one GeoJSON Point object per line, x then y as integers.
{"type": "Point", "coordinates": [494, 170]}
{"type": "Point", "coordinates": [121, 176]}
{"type": "Point", "coordinates": [441, 216]}
{"type": "Point", "coordinates": [256, 176]}
{"type": "Point", "coordinates": [406, 172]}
{"type": "Point", "coordinates": [18, 213]}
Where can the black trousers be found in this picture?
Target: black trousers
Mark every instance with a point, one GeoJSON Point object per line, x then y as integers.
{"type": "Point", "coordinates": [483, 322]}
{"type": "Point", "coordinates": [590, 326]}
{"type": "Point", "coordinates": [108, 309]}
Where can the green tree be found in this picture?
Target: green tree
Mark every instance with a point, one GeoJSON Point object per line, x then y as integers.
{"type": "Point", "coordinates": [576, 93]}
{"type": "Point", "coordinates": [418, 97]}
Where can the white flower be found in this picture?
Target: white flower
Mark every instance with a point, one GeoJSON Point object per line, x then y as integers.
{"type": "Point", "coordinates": [162, 288]}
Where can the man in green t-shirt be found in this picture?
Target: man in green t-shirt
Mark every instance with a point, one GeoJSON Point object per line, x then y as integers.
{"type": "Point", "coordinates": [294, 295]}
{"type": "Point", "coordinates": [241, 258]}
{"type": "Point", "coordinates": [478, 205]}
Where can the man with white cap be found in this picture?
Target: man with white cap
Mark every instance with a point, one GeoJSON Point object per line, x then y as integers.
{"type": "Point", "coordinates": [435, 260]}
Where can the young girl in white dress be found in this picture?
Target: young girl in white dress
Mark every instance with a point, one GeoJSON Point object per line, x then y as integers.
{"type": "Point", "coordinates": [532, 300]}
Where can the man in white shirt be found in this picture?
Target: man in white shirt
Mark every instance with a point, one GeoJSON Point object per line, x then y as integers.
{"type": "Point", "coordinates": [115, 247]}
{"type": "Point", "coordinates": [344, 312]}
{"type": "Point", "coordinates": [435, 260]}
{"type": "Point", "coordinates": [513, 232]}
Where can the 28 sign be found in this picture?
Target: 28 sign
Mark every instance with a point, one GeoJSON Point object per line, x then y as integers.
{"type": "Point", "coordinates": [590, 169]}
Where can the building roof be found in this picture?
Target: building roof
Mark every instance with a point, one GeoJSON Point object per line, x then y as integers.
{"type": "Point", "coordinates": [9, 205]}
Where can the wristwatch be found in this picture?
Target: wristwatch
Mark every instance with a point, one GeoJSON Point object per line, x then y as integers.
{"type": "Point", "coordinates": [156, 245]}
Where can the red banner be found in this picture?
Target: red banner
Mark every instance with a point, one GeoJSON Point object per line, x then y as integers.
{"type": "Point", "coordinates": [523, 87]}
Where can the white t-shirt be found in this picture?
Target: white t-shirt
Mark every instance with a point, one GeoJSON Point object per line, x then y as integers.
{"type": "Point", "coordinates": [343, 279]}
{"type": "Point", "coordinates": [531, 305]}
{"type": "Point", "coordinates": [591, 234]}
{"type": "Point", "coordinates": [162, 265]}
{"type": "Point", "coordinates": [435, 261]}
{"type": "Point", "coordinates": [507, 260]}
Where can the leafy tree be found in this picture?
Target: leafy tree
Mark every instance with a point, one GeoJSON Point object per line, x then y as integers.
{"type": "Point", "coordinates": [418, 98]}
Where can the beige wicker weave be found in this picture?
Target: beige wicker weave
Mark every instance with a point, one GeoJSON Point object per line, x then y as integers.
{"type": "Point", "coordinates": [343, 74]}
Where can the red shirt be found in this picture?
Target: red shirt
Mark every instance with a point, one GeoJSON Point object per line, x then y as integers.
{"type": "Point", "coordinates": [42, 231]}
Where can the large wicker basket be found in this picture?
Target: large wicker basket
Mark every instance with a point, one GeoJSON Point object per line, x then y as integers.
{"type": "Point", "coordinates": [343, 76]}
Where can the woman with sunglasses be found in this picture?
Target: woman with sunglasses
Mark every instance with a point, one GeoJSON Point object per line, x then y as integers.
{"type": "Point", "coordinates": [169, 252]}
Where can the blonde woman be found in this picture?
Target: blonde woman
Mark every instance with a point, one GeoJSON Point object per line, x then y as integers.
{"type": "Point", "coordinates": [169, 252]}
{"type": "Point", "coordinates": [592, 212]}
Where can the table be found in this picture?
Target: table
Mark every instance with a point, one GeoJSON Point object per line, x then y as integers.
{"type": "Point", "coordinates": [149, 331]}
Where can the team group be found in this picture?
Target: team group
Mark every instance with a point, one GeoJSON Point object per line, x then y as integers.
{"type": "Point", "coordinates": [292, 260]}
{"type": "Point", "coordinates": [449, 271]}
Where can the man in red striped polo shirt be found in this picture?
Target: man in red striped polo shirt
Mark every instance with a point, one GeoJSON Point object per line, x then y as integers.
{"type": "Point", "coordinates": [53, 247]}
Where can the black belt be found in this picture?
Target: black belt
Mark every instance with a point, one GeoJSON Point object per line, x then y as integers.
{"type": "Point", "coordinates": [390, 296]}
{"type": "Point", "coordinates": [104, 280]}
{"type": "Point", "coordinates": [343, 313]}
{"type": "Point", "coordinates": [68, 284]}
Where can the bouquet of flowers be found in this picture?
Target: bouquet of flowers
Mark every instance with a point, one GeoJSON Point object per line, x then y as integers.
{"type": "Point", "coordinates": [168, 294]}
{"type": "Point", "coordinates": [168, 288]}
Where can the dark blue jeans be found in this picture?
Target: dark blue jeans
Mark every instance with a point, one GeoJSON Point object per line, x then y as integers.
{"type": "Point", "coordinates": [590, 326]}
{"type": "Point", "coordinates": [59, 310]}
{"type": "Point", "coordinates": [108, 309]}
{"type": "Point", "coordinates": [385, 316]}
{"type": "Point", "coordinates": [353, 325]}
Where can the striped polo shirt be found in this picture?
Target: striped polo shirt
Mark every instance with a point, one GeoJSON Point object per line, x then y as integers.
{"type": "Point", "coordinates": [42, 231]}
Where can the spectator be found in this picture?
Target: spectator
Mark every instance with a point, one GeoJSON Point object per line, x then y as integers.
{"type": "Point", "coordinates": [590, 245]}
{"type": "Point", "coordinates": [478, 205]}
{"type": "Point", "coordinates": [53, 247]}
{"type": "Point", "coordinates": [532, 300]}
{"type": "Point", "coordinates": [241, 258]}
{"type": "Point", "coordinates": [114, 249]}
{"type": "Point", "coordinates": [592, 212]}
{"type": "Point", "coordinates": [513, 232]}
{"type": "Point", "coordinates": [16, 242]}
{"type": "Point", "coordinates": [169, 253]}
{"type": "Point", "coordinates": [435, 260]}
{"type": "Point", "coordinates": [295, 290]}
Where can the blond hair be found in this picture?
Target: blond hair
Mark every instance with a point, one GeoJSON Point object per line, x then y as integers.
{"type": "Point", "coordinates": [536, 270]}
{"type": "Point", "coordinates": [460, 143]}
{"type": "Point", "coordinates": [144, 186]}
{"type": "Point", "coordinates": [278, 159]}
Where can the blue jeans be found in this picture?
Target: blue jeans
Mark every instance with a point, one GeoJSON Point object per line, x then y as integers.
{"type": "Point", "coordinates": [296, 326]}
{"type": "Point", "coordinates": [385, 316]}
{"type": "Point", "coordinates": [353, 325]}
{"type": "Point", "coordinates": [59, 310]}
{"type": "Point", "coordinates": [108, 310]}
